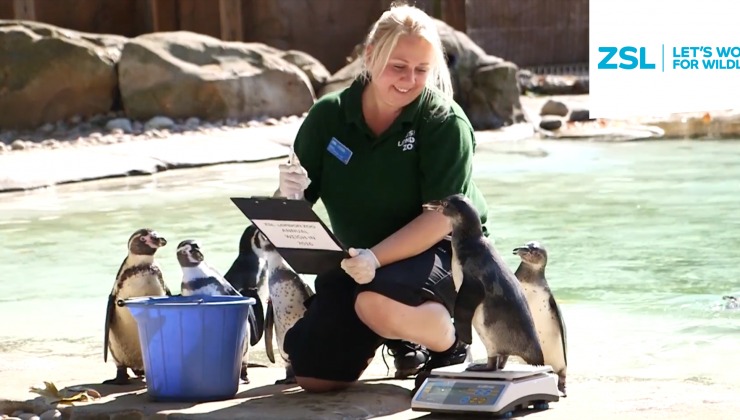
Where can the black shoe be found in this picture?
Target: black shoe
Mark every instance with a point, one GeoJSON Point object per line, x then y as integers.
{"type": "Point", "coordinates": [408, 357]}
{"type": "Point", "coordinates": [454, 356]}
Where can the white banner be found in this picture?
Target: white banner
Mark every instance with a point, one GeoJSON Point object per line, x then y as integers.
{"type": "Point", "coordinates": [656, 57]}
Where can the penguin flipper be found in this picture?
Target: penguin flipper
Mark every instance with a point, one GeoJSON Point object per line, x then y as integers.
{"type": "Point", "coordinates": [554, 307]}
{"type": "Point", "coordinates": [469, 296]}
{"type": "Point", "coordinates": [269, 324]}
{"type": "Point", "coordinates": [109, 318]}
{"type": "Point", "coordinates": [258, 316]}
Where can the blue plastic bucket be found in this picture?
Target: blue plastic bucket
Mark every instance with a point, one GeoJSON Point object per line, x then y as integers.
{"type": "Point", "coordinates": [192, 345]}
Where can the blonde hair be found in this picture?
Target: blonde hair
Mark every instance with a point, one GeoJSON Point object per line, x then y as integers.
{"type": "Point", "coordinates": [403, 19]}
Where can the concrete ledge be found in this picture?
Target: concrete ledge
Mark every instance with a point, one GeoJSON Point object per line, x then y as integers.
{"type": "Point", "coordinates": [43, 168]}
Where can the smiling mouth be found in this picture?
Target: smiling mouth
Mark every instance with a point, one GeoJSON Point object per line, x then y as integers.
{"type": "Point", "coordinates": [402, 90]}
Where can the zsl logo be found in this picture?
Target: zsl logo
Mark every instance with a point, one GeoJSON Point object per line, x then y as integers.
{"type": "Point", "coordinates": [629, 59]}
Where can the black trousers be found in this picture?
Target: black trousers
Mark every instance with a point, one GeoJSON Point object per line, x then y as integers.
{"type": "Point", "coordinates": [331, 342]}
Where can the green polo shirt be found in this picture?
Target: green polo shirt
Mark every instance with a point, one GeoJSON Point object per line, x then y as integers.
{"type": "Point", "coordinates": [373, 185]}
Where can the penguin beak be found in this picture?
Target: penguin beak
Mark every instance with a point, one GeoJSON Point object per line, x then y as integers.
{"type": "Point", "coordinates": [434, 205]}
{"type": "Point", "coordinates": [521, 250]}
{"type": "Point", "coordinates": [161, 241]}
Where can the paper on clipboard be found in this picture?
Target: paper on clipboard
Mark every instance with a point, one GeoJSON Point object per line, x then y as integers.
{"type": "Point", "coordinates": [297, 234]}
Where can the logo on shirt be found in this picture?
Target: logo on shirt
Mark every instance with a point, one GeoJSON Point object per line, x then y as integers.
{"type": "Point", "coordinates": [408, 142]}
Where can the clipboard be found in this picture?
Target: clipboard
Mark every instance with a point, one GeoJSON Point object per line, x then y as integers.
{"type": "Point", "coordinates": [296, 231]}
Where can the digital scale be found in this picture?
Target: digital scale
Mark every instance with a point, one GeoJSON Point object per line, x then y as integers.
{"type": "Point", "coordinates": [453, 389]}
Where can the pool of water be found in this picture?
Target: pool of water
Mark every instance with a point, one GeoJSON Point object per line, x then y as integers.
{"type": "Point", "coordinates": [643, 240]}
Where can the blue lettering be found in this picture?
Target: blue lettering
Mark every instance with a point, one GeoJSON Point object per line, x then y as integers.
{"type": "Point", "coordinates": [629, 58]}
{"type": "Point", "coordinates": [728, 51]}
{"type": "Point", "coordinates": [604, 63]}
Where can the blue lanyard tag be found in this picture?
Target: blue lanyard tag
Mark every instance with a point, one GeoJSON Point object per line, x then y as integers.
{"type": "Point", "coordinates": [339, 150]}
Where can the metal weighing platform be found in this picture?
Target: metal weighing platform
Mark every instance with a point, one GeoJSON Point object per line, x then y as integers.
{"type": "Point", "coordinates": [452, 390]}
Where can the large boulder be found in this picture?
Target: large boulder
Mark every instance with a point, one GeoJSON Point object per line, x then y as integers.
{"type": "Point", "coordinates": [184, 74]}
{"type": "Point", "coordinates": [49, 74]}
{"type": "Point", "coordinates": [486, 87]}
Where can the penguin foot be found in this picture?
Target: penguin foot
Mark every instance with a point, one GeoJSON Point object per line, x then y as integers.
{"type": "Point", "coordinates": [481, 367]}
{"type": "Point", "coordinates": [561, 388]}
{"type": "Point", "coordinates": [289, 376]}
{"type": "Point", "coordinates": [138, 372]}
{"type": "Point", "coordinates": [243, 374]}
{"type": "Point", "coordinates": [121, 378]}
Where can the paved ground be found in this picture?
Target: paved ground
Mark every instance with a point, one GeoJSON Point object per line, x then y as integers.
{"type": "Point", "coordinates": [375, 396]}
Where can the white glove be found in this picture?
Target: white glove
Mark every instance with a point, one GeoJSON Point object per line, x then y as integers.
{"type": "Point", "coordinates": [293, 180]}
{"type": "Point", "coordinates": [361, 267]}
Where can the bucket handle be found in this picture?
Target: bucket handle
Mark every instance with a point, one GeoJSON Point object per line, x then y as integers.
{"type": "Point", "coordinates": [122, 303]}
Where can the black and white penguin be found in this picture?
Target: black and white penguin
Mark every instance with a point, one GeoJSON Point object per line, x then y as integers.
{"type": "Point", "coordinates": [489, 297]}
{"type": "Point", "coordinates": [199, 278]}
{"type": "Point", "coordinates": [548, 320]}
{"type": "Point", "coordinates": [248, 275]}
{"type": "Point", "coordinates": [139, 275]}
{"type": "Point", "coordinates": [286, 302]}
{"type": "Point", "coordinates": [731, 302]}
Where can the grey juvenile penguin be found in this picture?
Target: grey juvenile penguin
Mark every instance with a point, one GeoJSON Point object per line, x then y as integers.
{"type": "Point", "coordinates": [285, 305]}
{"type": "Point", "coordinates": [489, 297]}
{"type": "Point", "coordinates": [139, 275]}
{"type": "Point", "coordinates": [199, 278]}
{"type": "Point", "coordinates": [548, 320]}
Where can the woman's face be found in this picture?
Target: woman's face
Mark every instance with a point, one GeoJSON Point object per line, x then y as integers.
{"type": "Point", "coordinates": [404, 77]}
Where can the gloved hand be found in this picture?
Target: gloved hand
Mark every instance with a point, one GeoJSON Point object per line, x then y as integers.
{"type": "Point", "coordinates": [293, 179]}
{"type": "Point", "coordinates": [361, 267]}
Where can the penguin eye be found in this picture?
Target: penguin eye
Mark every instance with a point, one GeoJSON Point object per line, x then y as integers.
{"type": "Point", "coordinates": [142, 238]}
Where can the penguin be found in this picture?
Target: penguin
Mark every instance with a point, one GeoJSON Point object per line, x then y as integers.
{"type": "Point", "coordinates": [248, 275]}
{"type": "Point", "coordinates": [286, 303]}
{"type": "Point", "coordinates": [139, 275]}
{"type": "Point", "coordinates": [199, 278]}
{"type": "Point", "coordinates": [548, 319]}
{"type": "Point", "coordinates": [731, 302]}
{"type": "Point", "coordinates": [489, 297]}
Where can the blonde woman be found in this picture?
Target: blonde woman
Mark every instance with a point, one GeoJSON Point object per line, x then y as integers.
{"type": "Point", "coordinates": [373, 153]}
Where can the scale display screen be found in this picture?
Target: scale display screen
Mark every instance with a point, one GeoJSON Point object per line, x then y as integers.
{"type": "Point", "coordinates": [460, 393]}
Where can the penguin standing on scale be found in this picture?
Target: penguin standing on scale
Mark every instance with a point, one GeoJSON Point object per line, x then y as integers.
{"type": "Point", "coordinates": [490, 298]}
{"type": "Point", "coordinates": [199, 278]}
{"type": "Point", "coordinates": [139, 275]}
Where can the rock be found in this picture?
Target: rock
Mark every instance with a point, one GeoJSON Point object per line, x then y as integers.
{"type": "Point", "coordinates": [551, 84]}
{"type": "Point", "coordinates": [51, 415]}
{"type": "Point", "coordinates": [552, 107]}
{"type": "Point", "coordinates": [158, 123]}
{"type": "Point", "coordinates": [486, 87]}
{"type": "Point", "coordinates": [47, 128]}
{"type": "Point", "coordinates": [52, 74]}
{"type": "Point", "coordinates": [18, 145]}
{"type": "Point", "coordinates": [28, 416]}
{"type": "Point", "coordinates": [4, 148]}
{"type": "Point", "coordinates": [192, 123]}
{"type": "Point", "coordinates": [316, 72]}
{"type": "Point", "coordinates": [184, 74]}
{"type": "Point", "coordinates": [123, 124]}
{"type": "Point", "coordinates": [485, 109]}
{"type": "Point", "coordinates": [550, 122]}
{"type": "Point", "coordinates": [579, 114]}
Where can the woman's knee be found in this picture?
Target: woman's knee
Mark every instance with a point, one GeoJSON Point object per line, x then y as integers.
{"type": "Point", "coordinates": [317, 385]}
{"type": "Point", "coordinates": [377, 312]}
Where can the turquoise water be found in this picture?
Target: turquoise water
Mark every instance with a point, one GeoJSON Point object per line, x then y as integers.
{"type": "Point", "coordinates": [643, 240]}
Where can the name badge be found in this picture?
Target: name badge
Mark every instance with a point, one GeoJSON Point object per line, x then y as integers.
{"type": "Point", "coordinates": [339, 150]}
